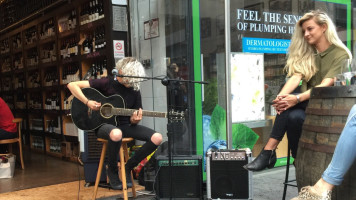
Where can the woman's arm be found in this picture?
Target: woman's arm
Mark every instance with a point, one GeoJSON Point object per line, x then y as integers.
{"type": "Point", "coordinates": [291, 100]}
{"type": "Point", "coordinates": [291, 84]}
{"type": "Point", "coordinates": [76, 89]}
{"type": "Point", "coordinates": [326, 82]}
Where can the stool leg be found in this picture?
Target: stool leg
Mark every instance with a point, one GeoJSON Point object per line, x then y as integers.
{"type": "Point", "coordinates": [100, 168]}
{"type": "Point", "coordinates": [287, 175]}
{"type": "Point", "coordinates": [122, 171]}
{"type": "Point", "coordinates": [126, 152]}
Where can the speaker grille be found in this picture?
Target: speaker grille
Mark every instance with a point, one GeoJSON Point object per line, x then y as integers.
{"type": "Point", "coordinates": [186, 178]}
{"type": "Point", "coordinates": [229, 180]}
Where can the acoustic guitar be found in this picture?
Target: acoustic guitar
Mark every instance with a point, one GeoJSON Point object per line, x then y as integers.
{"type": "Point", "coordinates": [87, 119]}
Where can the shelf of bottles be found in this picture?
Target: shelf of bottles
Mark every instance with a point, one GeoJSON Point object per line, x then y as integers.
{"type": "Point", "coordinates": [52, 100]}
{"type": "Point", "coordinates": [6, 84]}
{"type": "Point", "coordinates": [20, 101]}
{"type": "Point", "coordinates": [35, 100]}
{"type": "Point", "coordinates": [12, 11]}
{"type": "Point", "coordinates": [67, 22]}
{"type": "Point", "coordinates": [30, 37]}
{"type": "Point", "coordinates": [16, 43]}
{"type": "Point", "coordinates": [18, 61]}
{"type": "Point", "coordinates": [93, 41]}
{"type": "Point", "coordinates": [19, 81]}
{"type": "Point", "coordinates": [6, 64]}
{"type": "Point", "coordinates": [67, 97]}
{"type": "Point", "coordinates": [92, 11]}
{"type": "Point", "coordinates": [4, 46]}
{"type": "Point", "coordinates": [69, 48]}
{"type": "Point", "coordinates": [40, 58]}
{"type": "Point", "coordinates": [50, 77]}
{"type": "Point", "coordinates": [9, 99]}
{"type": "Point", "coordinates": [37, 142]}
{"type": "Point", "coordinates": [70, 73]}
{"type": "Point", "coordinates": [33, 79]}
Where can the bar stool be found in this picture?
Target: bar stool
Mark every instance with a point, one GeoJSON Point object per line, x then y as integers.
{"type": "Point", "coordinates": [288, 182]}
{"type": "Point", "coordinates": [18, 140]}
{"type": "Point", "coordinates": [124, 156]}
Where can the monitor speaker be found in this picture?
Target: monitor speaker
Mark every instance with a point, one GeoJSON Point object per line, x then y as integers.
{"type": "Point", "coordinates": [180, 180]}
{"type": "Point", "coordinates": [226, 177]}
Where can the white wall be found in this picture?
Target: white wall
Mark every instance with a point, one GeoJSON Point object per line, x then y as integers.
{"type": "Point", "coordinates": [153, 92]}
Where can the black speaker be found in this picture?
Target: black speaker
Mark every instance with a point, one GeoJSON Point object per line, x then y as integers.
{"type": "Point", "coordinates": [91, 158]}
{"type": "Point", "coordinates": [186, 177]}
{"type": "Point", "coordinates": [226, 177]}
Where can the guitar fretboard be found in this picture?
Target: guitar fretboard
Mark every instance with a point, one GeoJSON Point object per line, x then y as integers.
{"type": "Point", "coordinates": [128, 112]}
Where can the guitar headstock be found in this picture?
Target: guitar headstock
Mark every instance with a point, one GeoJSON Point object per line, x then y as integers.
{"type": "Point", "coordinates": [176, 115]}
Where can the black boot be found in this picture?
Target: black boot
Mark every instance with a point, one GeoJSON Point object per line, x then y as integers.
{"type": "Point", "coordinates": [267, 158]}
{"type": "Point", "coordinates": [128, 177]}
{"type": "Point", "coordinates": [114, 180]}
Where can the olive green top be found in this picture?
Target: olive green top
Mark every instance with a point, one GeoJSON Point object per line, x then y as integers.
{"type": "Point", "coordinates": [328, 64]}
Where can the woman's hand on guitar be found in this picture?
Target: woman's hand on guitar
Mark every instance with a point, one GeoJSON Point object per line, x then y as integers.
{"type": "Point", "coordinates": [93, 105]}
{"type": "Point", "coordinates": [136, 116]}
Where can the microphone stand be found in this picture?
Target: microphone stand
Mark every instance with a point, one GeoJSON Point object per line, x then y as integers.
{"type": "Point", "coordinates": [166, 82]}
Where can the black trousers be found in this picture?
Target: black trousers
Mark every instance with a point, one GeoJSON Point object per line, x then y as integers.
{"type": "Point", "coordinates": [135, 131]}
{"type": "Point", "coordinates": [7, 135]}
{"type": "Point", "coordinates": [290, 121]}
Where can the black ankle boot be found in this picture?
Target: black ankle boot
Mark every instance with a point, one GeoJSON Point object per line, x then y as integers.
{"type": "Point", "coordinates": [128, 178]}
{"type": "Point", "coordinates": [267, 158]}
{"type": "Point", "coordinates": [114, 180]}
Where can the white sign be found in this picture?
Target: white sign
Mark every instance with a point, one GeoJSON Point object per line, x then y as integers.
{"type": "Point", "coordinates": [119, 2]}
{"type": "Point", "coordinates": [247, 87]}
{"type": "Point", "coordinates": [119, 49]}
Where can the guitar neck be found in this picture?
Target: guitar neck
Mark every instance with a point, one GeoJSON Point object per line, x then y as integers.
{"type": "Point", "coordinates": [128, 112]}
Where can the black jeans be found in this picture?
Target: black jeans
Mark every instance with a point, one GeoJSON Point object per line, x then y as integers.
{"type": "Point", "coordinates": [7, 135]}
{"type": "Point", "coordinates": [290, 121]}
{"type": "Point", "coordinates": [137, 132]}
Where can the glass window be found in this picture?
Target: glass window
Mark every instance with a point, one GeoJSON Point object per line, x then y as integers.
{"type": "Point", "coordinates": [161, 34]}
{"type": "Point", "coordinates": [263, 27]}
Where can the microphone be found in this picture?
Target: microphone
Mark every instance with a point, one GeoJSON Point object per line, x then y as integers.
{"type": "Point", "coordinates": [115, 73]}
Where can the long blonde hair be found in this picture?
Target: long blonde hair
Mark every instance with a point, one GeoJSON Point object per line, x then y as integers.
{"type": "Point", "coordinates": [130, 66]}
{"type": "Point", "coordinates": [301, 55]}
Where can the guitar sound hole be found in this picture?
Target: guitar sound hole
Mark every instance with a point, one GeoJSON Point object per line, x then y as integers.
{"type": "Point", "coordinates": [106, 111]}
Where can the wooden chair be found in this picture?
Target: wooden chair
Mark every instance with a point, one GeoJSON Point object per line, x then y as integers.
{"type": "Point", "coordinates": [124, 156]}
{"type": "Point", "coordinates": [14, 140]}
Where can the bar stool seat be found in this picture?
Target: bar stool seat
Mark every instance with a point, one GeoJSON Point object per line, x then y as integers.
{"type": "Point", "coordinates": [288, 182]}
{"type": "Point", "coordinates": [124, 156]}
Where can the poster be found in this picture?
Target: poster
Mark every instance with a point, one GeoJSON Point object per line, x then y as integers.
{"type": "Point", "coordinates": [119, 22]}
{"type": "Point", "coordinates": [151, 28]}
{"type": "Point", "coordinates": [247, 87]}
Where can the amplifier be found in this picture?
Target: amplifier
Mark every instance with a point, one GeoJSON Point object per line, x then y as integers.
{"type": "Point", "coordinates": [226, 177]}
{"type": "Point", "coordinates": [91, 157]}
{"type": "Point", "coordinates": [186, 179]}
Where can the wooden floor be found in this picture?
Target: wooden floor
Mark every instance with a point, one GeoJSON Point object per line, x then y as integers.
{"type": "Point", "coordinates": [46, 177]}
{"type": "Point", "coordinates": [63, 191]}
{"type": "Point", "coordinates": [41, 170]}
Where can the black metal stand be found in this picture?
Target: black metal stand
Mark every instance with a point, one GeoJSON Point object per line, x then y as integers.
{"type": "Point", "coordinates": [288, 182]}
{"type": "Point", "coordinates": [170, 126]}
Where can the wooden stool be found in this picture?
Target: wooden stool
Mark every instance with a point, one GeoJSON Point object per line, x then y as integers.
{"type": "Point", "coordinates": [124, 156]}
{"type": "Point", "coordinates": [14, 140]}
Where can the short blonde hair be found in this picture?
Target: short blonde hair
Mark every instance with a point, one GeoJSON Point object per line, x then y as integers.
{"type": "Point", "coordinates": [130, 66]}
